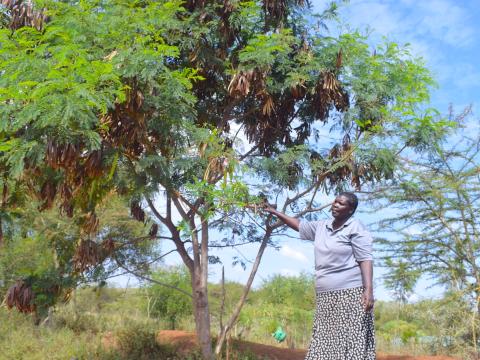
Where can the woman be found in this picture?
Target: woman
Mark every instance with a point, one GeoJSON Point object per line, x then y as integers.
{"type": "Point", "coordinates": [343, 325]}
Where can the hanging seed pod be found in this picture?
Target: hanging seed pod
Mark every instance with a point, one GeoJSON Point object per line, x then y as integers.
{"type": "Point", "coordinates": [47, 194]}
{"type": "Point", "coordinates": [61, 156]}
{"type": "Point", "coordinates": [240, 84]}
{"type": "Point", "coordinates": [20, 295]}
{"type": "Point", "coordinates": [137, 212]}
{"type": "Point", "coordinates": [93, 164]}
{"type": "Point", "coordinates": [275, 9]}
{"type": "Point", "coordinates": [134, 99]}
{"type": "Point", "coordinates": [346, 143]}
{"type": "Point", "coordinates": [153, 231]}
{"type": "Point", "coordinates": [91, 223]}
{"type": "Point", "coordinates": [339, 60]}
{"type": "Point", "coordinates": [22, 14]}
{"type": "Point", "coordinates": [86, 255]}
{"type": "Point", "coordinates": [67, 208]}
{"type": "Point", "coordinates": [69, 156]}
{"type": "Point", "coordinates": [298, 91]}
{"type": "Point", "coordinates": [268, 105]}
{"type": "Point", "coordinates": [108, 245]}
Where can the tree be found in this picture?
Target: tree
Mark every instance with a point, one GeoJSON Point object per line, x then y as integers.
{"type": "Point", "coordinates": [436, 230]}
{"type": "Point", "coordinates": [167, 302]}
{"type": "Point", "coordinates": [43, 251]}
{"type": "Point", "coordinates": [401, 278]}
{"type": "Point", "coordinates": [147, 98]}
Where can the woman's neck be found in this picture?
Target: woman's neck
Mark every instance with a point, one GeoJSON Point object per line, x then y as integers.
{"type": "Point", "coordinates": [337, 223]}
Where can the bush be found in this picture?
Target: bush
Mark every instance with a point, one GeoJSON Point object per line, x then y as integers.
{"type": "Point", "coordinates": [138, 341]}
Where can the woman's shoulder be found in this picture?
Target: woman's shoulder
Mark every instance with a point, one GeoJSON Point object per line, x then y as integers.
{"type": "Point", "coordinates": [357, 225]}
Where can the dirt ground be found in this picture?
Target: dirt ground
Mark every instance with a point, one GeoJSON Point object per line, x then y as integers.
{"type": "Point", "coordinates": [185, 340]}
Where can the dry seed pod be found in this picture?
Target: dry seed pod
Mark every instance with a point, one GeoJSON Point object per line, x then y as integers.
{"type": "Point", "coordinates": [137, 212]}
{"type": "Point", "coordinates": [86, 255]}
{"type": "Point", "coordinates": [268, 105]}
{"type": "Point", "coordinates": [108, 245]}
{"type": "Point", "coordinates": [93, 164]}
{"type": "Point", "coordinates": [91, 223]}
{"type": "Point", "coordinates": [239, 85]}
{"type": "Point", "coordinates": [153, 231]}
{"type": "Point", "coordinates": [22, 14]}
{"type": "Point", "coordinates": [20, 295]}
{"type": "Point", "coordinates": [339, 59]}
{"type": "Point", "coordinates": [47, 194]}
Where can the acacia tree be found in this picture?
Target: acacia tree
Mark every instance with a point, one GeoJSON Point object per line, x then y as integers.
{"type": "Point", "coordinates": [437, 227]}
{"type": "Point", "coordinates": [150, 97]}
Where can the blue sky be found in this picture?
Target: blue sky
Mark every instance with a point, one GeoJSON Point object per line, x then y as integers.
{"type": "Point", "coordinates": [445, 34]}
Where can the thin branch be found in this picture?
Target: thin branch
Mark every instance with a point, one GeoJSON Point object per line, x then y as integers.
{"type": "Point", "coordinates": [152, 280]}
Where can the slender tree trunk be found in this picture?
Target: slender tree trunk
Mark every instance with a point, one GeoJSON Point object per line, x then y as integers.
{"type": "Point", "coordinates": [202, 316]}
{"type": "Point", "coordinates": [236, 312]}
{"type": "Point", "coordinates": [200, 290]}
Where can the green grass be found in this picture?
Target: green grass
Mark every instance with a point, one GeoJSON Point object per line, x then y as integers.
{"type": "Point", "coordinates": [76, 329]}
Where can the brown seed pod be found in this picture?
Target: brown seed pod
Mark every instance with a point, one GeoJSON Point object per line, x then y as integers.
{"type": "Point", "coordinates": [153, 231]}
{"type": "Point", "coordinates": [93, 164]}
{"type": "Point", "coordinates": [20, 295]}
{"type": "Point", "coordinates": [137, 212]}
{"type": "Point", "coordinates": [91, 223]}
{"type": "Point", "coordinates": [108, 245]}
{"type": "Point", "coordinates": [68, 295]}
{"type": "Point", "coordinates": [339, 59]}
{"type": "Point", "coordinates": [268, 105]}
{"type": "Point", "coordinates": [61, 155]}
{"type": "Point", "coordinates": [47, 194]}
{"type": "Point", "coordinates": [86, 255]}
{"type": "Point", "coordinates": [22, 14]}
{"type": "Point", "coordinates": [240, 83]}
{"type": "Point", "coordinates": [328, 92]}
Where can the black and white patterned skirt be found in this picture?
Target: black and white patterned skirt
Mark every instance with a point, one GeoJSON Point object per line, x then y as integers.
{"type": "Point", "coordinates": [342, 330]}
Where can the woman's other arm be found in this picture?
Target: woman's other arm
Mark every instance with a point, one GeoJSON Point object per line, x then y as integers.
{"type": "Point", "coordinates": [366, 267]}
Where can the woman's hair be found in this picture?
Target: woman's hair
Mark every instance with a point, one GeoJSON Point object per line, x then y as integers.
{"type": "Point", "coordinates": [352, 199]}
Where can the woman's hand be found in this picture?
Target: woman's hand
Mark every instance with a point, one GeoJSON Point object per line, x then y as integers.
{"type": "Point", "coordinates": [368, 299]}
{"type": "Point", "coordinates": [269, 208]}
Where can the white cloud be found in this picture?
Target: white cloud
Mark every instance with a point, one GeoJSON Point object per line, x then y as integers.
{"type": "Point", "coordinates": [445, 21]}
{"type": "Point", "coordinates": [287, 251]}
{"type": "Point", "coordinates": [426, 25]}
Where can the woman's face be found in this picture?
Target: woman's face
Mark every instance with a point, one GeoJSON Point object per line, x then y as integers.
{"type": "Point", "coordinates": [341, 208]}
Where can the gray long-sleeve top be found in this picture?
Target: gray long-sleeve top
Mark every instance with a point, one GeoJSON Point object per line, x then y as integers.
{"type": "Point", "coordinates": [338, 252]}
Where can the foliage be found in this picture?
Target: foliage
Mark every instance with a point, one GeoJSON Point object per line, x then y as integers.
{"type": "Point", "coordinates": [436, 231]}
{"type": "Point", "coordinates": [41, 251]}
{"type": "Point", "coordinates": [401, 278]}
{"type": "Point", "coordinates": [167, 303]}
{"type": "Point", "coordinates": [138, 342]}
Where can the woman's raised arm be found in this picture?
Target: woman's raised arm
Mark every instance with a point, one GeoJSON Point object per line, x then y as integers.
{"type": "Point", "coordinates": [292, 222]}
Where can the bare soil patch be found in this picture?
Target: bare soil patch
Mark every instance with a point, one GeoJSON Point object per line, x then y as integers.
{"type": "Point", "coordinates": [186, 341]}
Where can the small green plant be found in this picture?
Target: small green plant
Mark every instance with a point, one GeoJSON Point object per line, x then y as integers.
{"type": "Point", "coordinates": [139, 342]}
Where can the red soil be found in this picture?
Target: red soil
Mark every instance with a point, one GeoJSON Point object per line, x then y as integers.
{"type": "Point", "coordinates": [185, 341]}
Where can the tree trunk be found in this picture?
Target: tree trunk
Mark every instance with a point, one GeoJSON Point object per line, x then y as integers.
{"type": "Point", "coordinates": [236, 312]}
{"type": "Point", "coordinates": [202, 317]}
{"type": "Point", "coordinates": [200, 291]}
